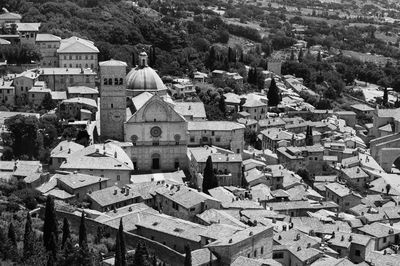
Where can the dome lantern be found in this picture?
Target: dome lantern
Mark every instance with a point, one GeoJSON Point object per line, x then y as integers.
{"type": "Point", "coordinates": [143, 58]}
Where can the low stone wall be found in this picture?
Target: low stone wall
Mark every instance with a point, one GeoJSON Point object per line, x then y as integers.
{"type": "Point", "coordinates": [164, 253]}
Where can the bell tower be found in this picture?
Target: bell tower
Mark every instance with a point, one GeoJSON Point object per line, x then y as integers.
{"type": "Point", "coordinates": [112, 99]}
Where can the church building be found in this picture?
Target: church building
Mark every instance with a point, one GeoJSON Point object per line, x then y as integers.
{"type": "Point", "coordinates": [157, 133]}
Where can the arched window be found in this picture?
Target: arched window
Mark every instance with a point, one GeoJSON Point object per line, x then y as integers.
{"type": "Point", "coordinates": [110, 81]}
{"type": "Point", "coordinates": [116, 81]}
{"type": "Point", "coordinates": [105, 82]}
{"type": "Point", "coordinates": [121, 81]}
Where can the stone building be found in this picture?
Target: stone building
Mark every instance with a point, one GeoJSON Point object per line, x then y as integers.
{"type": "Point", "coordinates": [48, 45]}
{"type": "Point", "coordinates": [159, 137]}
{"type": "Point", "coordinates": [78, 53]}
{"type": "Point", "coordinates": [113, 99]}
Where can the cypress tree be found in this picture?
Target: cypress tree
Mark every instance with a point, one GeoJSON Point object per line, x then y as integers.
{"type": "Point", "coordinates": [211, 58]}
{"type": "Point", "coordinates": [133, 59]}
{"type": "Point", "coordinates": [50, 260]}
{"type": "Point", "coordinates": [3, 243]}
{"type": "Point", "coordinates": [54, 249]}
{"type": "Point", "coordinates": [273, 94]}
{"type": "Point", "coordinates": [188, 256]}
{"type": "Point", "coordinates": [141, 257]}
{"type": "Point", "coordinates": [301, 55]}
{"type": "Point", "coordinates": [69, 252]}
{"type": "Point", "coordinates": [221, 104]}
{"type": "Point", "coordinates": [292, 55]}
{"type": "Point", "coordinates": [66, 232]}
{"type": "Point", "coordinates": [209, 179]}
{"type": "Point", "coordinates": [82, 231]}
{"type": "Point", "coordinates": [12, 243]}
{"type": "Point", "coordinates": [50, 223]}
{"type": "Point", "coordinates": [117, 255]}
{"type": "Point", "coordinates": [309, 137]}
{"type": "Point", "coordinates": [122, 243]}
{"type": "Point", "coordinates": [29, 237]}
{"type": "Point", "coordinates": [241, 57]}
{"type": "Point", "coordinates": [11, 235]}
{"type": "Point", "coordinates": [385, 98]}
{"type": "Point", "coordinates": [230, 55]}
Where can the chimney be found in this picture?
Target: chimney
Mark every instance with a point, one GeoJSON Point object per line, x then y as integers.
{"type": "Point", "coordinates": [61, 148]}
{"type": "Point", "coordinates": [69, 151]}
{"type": "Point", "coordinates": [115, 155]}
{"type": "Point", "coordinates": [115, 191]}
{"type": "Point", "coordinates": [127, 192]}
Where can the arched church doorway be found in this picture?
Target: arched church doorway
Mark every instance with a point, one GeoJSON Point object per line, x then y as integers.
{"type": "Point", "coordinates": [155, 158]}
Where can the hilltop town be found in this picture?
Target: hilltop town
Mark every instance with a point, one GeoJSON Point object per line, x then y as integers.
{"type": "Point", "coordinates": [183, 133]}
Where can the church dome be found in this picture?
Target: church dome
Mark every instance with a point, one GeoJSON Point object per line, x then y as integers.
{"type": "Point", "coordinates": [143, 78]}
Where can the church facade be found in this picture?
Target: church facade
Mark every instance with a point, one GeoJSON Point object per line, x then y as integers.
{"type": "Point", "coordinates": [157, 133]}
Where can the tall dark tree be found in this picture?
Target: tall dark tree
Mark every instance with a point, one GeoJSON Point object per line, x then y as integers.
{"type": "Point", "coordinates": [188, 256]}
{"type": "Point", "coordinates": [82, 231]}
{"type": "Point", "coordinates": [309, 136]}
{"type": "Point", "coordinates": [222, 104]}
{"type": "Point", "coordinates": [117, 254]}
{"type": "Point", "coordinates": [120, 247]}
{"type": "Point", "coordinates": [50, 260]}
{"type": "Point", "coordinates": [292, 57]}
{"type": "Point", "coordinates": [66, 233]}
{"type": "Point", "coordinates": [301, 55]}
{"type": "Point", "coordinates": [231, 57]}
{"type": "Point", "coordinates": [385, 98]}
{"type": "Point", "coordinates": [211, 58]}
{"type": "Point", "coordinates": [50, 224]}
{"type": "Point", "coordinates": [54, 247]}
{"type": "Point", "coordinates": [273, 94]}
{"type": "Point", "coordinates": [29, 237]}
{"type": "Point", "coordinates": [134, 63]}
{"type": "Point", "coordinates": [319, 57]}
{"type": "Point", "coordinates": [12, 243]}
{"type": "Point", "coordinates": [241, 59]}
{"type": "Point", "coordinates": [68, 255]}
{"type": "Point", "coordinates": [209, 179]}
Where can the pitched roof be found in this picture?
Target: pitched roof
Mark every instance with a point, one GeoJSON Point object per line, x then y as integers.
{"type": "Point", "coordinates": [214, 125]}
{"type": "Point", "coordinates": [10, 15]}
{"type": "Point", "coordinates": [194, 109]}
{"type": "Point", "coordinates": [65, 71]}
{"type": "Point", "coordinates": [378, 230]}
{"type": "Point", "coordinates": [219, 216]}
{"type": "Point", "coordinates": [27, 26]}
{"type": "Point", "coordinates": [77, 180]}
{"type": "Point", "coordinates": [82, 90]}
{"type": "Point", "coordinates": [172, 177]}
{"type": "Point", "coordinates": [77, 45]}
{"type": "Point", "coordinates": [65, 148]}
{"type": "Point", "coordinates": [113, 62]}
{"type": "Point", "coordinates": [239, 236]}
{"type": "Point", "coordinates": [45, 37]}
{"type": "Point", "coordinates": [185, 196]}
{"type": "Point", "coordinates": [341, 190]}
{"type": "Point", "coordinates": [84, 101]}
{"type": "Point", "coordinates": [99, 156]}
{"type": "Point", "coordinates": [111, 195]}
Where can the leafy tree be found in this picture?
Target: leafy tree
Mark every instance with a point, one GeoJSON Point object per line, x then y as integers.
{"type": "Point", "coordinates": [209, 179]}
{"type": "Point", "coordinates": [141, 257]}
{"type": "Point", "coordinates": [48, 102]}
{"type": "Point", "coordinates": [305, 175]}
{"type": "Point", "coordinates": [65, 232]}
{"type": "Point", "coordinates": [23, 135]}
{"type": "Point", "coordinates": [29, 237]}
{"type": "Point", "coordinates": [50, 225]}
{"type": "Point", "coordinates": [188, 256]}
{"type": "Point", "coordinates": [273, 94]}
